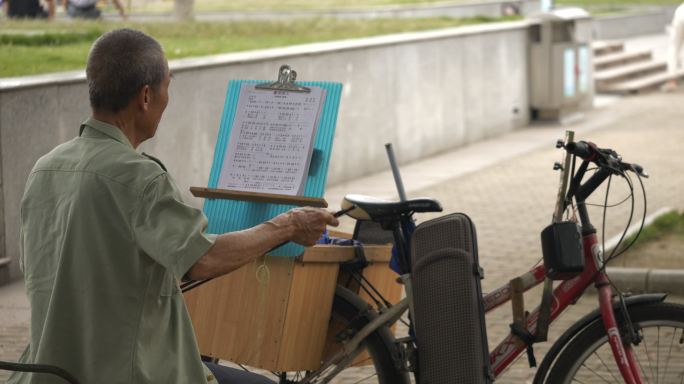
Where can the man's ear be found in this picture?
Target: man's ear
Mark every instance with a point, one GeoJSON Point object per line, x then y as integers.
{"type": "Point", "coordinates": [144, 97]}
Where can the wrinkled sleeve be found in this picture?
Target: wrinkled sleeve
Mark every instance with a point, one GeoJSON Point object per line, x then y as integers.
{"type": "Point", "coordinates": [168, 230]}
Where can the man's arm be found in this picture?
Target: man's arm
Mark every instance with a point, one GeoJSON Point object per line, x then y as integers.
{"type": "Point", "coordinates": [235, 249]}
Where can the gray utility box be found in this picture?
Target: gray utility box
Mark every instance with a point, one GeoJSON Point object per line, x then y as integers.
{"type": "Point", "coordinates": [561, 70]}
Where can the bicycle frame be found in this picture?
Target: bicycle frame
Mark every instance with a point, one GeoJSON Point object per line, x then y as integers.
{"type": "Point", "coordinates": [566, 293]}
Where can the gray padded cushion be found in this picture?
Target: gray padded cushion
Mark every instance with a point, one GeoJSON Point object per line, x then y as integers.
{"type": "Point", "coordinates": [448, 322]}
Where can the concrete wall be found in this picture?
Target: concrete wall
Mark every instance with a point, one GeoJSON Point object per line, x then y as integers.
{"type": "Point", "coordinates": [494, 8]}
{"type": "Point", "coordinates": [463, 10]}
{"type": "Point", "coordinates": [425, 92]}
{"type": "Point", "coordinates": [646, 22]}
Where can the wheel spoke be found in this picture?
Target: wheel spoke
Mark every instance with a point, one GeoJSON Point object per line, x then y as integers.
{"type": "Point", "coordinates": [657, 376]}
{"type": "Point", "coordinates": [669, 353]}
{"type": "Point", "coordinates": [596, 373]}
{"type": "Point", "coordinates": [362, 362]}
{"type": "Point", "coordinates": [588, 358]}
{"type": "Point", "coordinates": [641, 367]}
{"type": "Point", "coordinates": [607, 368]}
{"type": "Point", "coordinates": [648, 358]}
{"type": "Point", "coordinates": [365, 378]}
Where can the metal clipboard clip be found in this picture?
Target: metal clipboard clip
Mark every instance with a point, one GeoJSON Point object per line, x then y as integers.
{"type": "Point", "coordinates": [286, 82]}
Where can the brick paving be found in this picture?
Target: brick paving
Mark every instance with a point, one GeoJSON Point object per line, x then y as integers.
{"type": "Point", "coordinates": [512, 199]}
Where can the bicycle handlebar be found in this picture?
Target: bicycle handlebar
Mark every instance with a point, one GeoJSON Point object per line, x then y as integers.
{"type": "Point", "coordinates": [581, 149]}
{"type": "Point", "coordinates": [603, 157]}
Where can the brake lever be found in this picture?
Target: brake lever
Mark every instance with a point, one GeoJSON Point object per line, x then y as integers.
{"type": "Point", "coordinates": [639, 170]}
{"type": "Point", "coordinates": [636, 168]}
{"type": "Point", "coordinates": [610, 162]}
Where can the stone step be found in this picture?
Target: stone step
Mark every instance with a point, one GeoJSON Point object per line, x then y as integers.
{"type": "Point", "coordinates": [628, 71]}
{"type": "Point", "coordinates": [621, 58]}
{"type": "Point", "coordinates": [641, 84]}
{"type": "Point", "coordinates": [605, 47]}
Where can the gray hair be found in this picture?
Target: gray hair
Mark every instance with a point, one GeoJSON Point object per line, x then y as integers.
{"type": "Point", "coordinates": [120, 63]}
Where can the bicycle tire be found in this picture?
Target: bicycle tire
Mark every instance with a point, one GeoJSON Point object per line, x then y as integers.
{"type": "Point", "coordinates": [354, 313]}
{"type": "Point", "coordinates": [588, 359]}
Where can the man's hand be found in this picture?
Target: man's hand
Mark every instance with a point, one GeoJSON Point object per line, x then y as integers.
{"type": "Point", "coordinates": [307, 224]}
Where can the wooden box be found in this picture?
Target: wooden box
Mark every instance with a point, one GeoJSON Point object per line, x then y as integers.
{"type": "Point", "coordinates": [274, 314]}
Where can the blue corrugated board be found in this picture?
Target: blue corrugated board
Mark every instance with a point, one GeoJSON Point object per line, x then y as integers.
{"type": "Point", "coordinates": [231, 215]}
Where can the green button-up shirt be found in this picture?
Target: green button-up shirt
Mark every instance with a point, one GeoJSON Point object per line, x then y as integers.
{"type": "Point", "coordinates": [105, 239]}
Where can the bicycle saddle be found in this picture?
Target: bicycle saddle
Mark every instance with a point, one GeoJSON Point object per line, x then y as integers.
{"type": "Point", "coordinates": [372, 208]}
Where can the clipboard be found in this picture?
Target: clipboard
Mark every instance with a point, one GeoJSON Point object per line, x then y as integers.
{"type": "Point", "coordinates": [229, 211]}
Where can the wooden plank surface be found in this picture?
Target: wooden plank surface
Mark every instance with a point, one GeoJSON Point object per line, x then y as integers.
{"type": "Point", "coordinates": [213, 193]}
{"type": "Point", "coordinates": [308, 315]}
{"type": "Point", "coordinates": [238, 317]}
{"type": "Point", "coordinates": [335, 254]}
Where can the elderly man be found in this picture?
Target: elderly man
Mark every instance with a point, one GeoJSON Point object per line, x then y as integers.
{"type": "Point", "coordinates": [106, 237]}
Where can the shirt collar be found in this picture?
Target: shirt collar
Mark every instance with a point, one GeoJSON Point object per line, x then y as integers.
{"type": "Point", "coordinates": [105, 129]}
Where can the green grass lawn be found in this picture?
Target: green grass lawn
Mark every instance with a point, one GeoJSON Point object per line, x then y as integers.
{"type": "Point", "coordinates": [275, 5]}
{"type": "Point", "coordinates": [598, 7]}
{"type": "Point", "coordinates": [39, 47]}
{"type": "Point", "coordinates": [284, 5]}
{"type": "Point", "coordinates": [590, 3]}
{"type": "Point", "coordinates": [669, 224]}
{"type": "Point", "coordinates": [659, 246]}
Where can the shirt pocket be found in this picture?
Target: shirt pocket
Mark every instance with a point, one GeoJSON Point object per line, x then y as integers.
{"type": "Point", "coordinates": [169, 285]}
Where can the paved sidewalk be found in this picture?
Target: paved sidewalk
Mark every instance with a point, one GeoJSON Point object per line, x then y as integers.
{"type": "Point", "coordinates": [508, 187]}
{"type": "Point", "coordinates": [14, 322]}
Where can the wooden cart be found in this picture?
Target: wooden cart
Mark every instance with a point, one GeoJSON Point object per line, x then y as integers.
{"type": "Point", "coordinates": [274, 314]}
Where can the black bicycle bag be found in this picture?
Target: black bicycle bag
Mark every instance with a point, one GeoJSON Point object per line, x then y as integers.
{"type": "Point", "coordinates": [449, 319]}
{"type": "Point", "coordinates": [562, 250]}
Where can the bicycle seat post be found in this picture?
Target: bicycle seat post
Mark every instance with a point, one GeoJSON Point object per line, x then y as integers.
{"type": "Point", "coordinates": [400, 241]}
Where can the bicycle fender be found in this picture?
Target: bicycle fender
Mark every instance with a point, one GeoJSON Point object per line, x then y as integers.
{"type": "Point", "coordinates": [581, 324]}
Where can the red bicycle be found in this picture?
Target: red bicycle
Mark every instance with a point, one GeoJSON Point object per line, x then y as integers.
{"type": "Point", "coordinates": [632, 339]}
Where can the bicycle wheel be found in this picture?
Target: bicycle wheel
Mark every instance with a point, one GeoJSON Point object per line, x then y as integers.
{"type": "Point", "coordinates": [349, 314]}
{"type": "Point", "coordinates": [660, 354]}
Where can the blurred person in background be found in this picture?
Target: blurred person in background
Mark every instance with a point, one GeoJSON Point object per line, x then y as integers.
{"type": "Point", "coordinates": [87, 9]}
{"type": "Point", "coordinates": [29, 9]}
{"type": "Point", "coordinates": [676, 31]}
